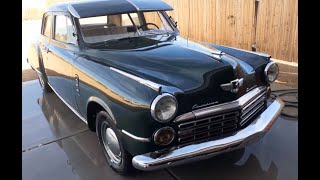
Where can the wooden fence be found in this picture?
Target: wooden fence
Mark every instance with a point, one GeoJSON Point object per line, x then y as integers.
{"type": "Point", "coordinates": [271, 26]}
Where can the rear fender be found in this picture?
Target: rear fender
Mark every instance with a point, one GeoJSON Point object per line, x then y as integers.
{"type": "Point", "coordinates": [34, 58]}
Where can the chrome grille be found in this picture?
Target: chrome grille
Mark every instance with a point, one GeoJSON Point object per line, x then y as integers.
{"type": "Point", "coordinates": [207, 127]}
{"type": "Point", "coordinates": [252, 108]}
{"type": "Point", "coordinates": [224, 120]}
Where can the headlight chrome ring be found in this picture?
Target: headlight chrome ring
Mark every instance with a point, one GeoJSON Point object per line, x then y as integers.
{"type": "Point", "coordinates": [158, 133]}
{"type": "Point", "coordinates": [266, 70]}
{"type": "Point", "coordinates": [155, 103]}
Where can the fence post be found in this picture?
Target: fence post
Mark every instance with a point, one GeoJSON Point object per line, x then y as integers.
{"type": "Point", "coordinates": [256, 9]}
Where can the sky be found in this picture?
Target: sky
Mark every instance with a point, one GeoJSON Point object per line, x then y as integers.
{"type": "Point", "coordinates": [33, 3]}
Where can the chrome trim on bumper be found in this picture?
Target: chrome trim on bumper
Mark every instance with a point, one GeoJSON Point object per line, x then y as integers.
{"type": "Point", "coordinates": [136, 137]}
{"type": "Point", "coordinates": [209, 149]}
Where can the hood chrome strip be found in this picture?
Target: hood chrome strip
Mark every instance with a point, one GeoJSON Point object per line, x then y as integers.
{"type": "Point", "coordinates": [145, 82]}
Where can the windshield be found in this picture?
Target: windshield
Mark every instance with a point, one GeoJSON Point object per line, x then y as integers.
{"type": "Point", "coordinates": [120, 26]}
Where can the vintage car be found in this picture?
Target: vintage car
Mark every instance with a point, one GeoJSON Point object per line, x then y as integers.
{"type": "Point", "coordinates": [154, 98]}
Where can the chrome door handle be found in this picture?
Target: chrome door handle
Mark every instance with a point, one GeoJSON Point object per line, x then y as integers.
{"type": "Point", "coordinates": [46, 49]}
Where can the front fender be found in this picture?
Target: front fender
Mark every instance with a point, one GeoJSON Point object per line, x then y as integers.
{"type": "Point", "coordinates": [102, 104]}
{"type": "Point", "coordinates": [125, 99]}
{"type": "Point", "coordinates": [254, 59]}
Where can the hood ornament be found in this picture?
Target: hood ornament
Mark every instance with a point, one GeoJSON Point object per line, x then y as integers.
{"type": "Point", "coordinates": [233, 86]}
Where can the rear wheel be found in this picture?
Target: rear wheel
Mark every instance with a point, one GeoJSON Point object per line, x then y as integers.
{"type": "Point", "coordinates": [118, 158]}
{"type": "Point", "coordinates": [43, 83]}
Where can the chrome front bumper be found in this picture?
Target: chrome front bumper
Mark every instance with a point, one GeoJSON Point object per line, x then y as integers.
{"type": "Point", "coordinates": [205, 150]}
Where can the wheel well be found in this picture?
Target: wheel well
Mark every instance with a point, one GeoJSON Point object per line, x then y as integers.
{"type": "Point", "coordinates": [92, 111]}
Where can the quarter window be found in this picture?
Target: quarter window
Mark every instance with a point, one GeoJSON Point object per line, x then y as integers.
{"type": "Point", "coordinates": [64, 30]}
{"type": "Point", "coordinates": [47, 26]}
{"type": "Point", "coordinates": [70, 36]}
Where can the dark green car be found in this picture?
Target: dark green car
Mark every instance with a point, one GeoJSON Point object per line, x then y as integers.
{"type": "Point", "coordinates": [154, 98]}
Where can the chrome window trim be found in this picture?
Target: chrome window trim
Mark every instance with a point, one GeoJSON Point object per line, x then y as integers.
{"type": "Point", "coordinates": [239, 103]}
{"type": "Point", "coordinates": [160, 130]}
{"type": "Point", "coordinates": [154, 103]}
{"type": "Point", "coordinates": [145, 82]}
{"type": "Point", "coordinates": [73, 12]}
{"type": "Point", "coordinates": [136, 137]}
{"type": "Point", "coordinates": [266, 71]}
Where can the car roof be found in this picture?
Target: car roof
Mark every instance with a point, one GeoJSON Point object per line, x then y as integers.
{"type": "Point", "coordinates": [83, 9]}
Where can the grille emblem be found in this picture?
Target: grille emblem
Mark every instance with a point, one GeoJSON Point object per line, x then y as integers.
{"type": "Point", "coordinates": [233, 86]}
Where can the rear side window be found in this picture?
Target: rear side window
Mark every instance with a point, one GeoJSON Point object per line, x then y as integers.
{"type": "Point", "coordinates": [64, 30]}
{"type": "Point", "coordinates": [60, 32]}
{"type": "Point", "coordinates": [46, 26]}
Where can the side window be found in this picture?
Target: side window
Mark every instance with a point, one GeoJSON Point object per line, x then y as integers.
{"type": "Point", "coordinates": [127, 22]}
{"type": "Point", "coordinates": [70, 30]}
{"type": "Point", "coordinates": [64, 30]}
{"type": "Point", "coordinates": [60, 31]}
{"type": "Point", "coordinates": [46, 26]}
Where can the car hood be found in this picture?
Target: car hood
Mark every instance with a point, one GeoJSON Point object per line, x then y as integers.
{"type": "Point", "coordinates": [195, 69]}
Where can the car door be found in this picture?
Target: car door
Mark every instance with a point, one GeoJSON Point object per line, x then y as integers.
{"type": "Point", "coordinates": [63, 50]}
{"type": "Point", "coordinates": [45, 36]}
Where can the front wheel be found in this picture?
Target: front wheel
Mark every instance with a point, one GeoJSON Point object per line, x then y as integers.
{"type": "Point", "coordinates": [118, 158]}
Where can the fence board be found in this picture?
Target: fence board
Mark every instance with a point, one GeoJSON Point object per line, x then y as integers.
{"type": "Point", "coordinates": [231, 23]}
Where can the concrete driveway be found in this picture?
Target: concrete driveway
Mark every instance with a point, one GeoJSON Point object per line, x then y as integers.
{"type": "Point", "coordinates": [56, 144]}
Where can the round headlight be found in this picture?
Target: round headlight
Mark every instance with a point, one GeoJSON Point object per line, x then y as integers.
{"type": "Point", "coordinates": [271, 72]}
{"type": "Point", "coordinates": [164, 136]}
{"type": "Point", "coordinates": [164, 107]}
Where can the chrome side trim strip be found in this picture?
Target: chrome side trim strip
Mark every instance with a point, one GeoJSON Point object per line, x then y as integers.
{"type": "Point", "coordinates": [70, 107]}
{"type": "Point", "coordinates": [145, 82]}
{"type": "Point", "coordinates": [136, 137]}
{"type": "Point", "coordinates": [195, 152]}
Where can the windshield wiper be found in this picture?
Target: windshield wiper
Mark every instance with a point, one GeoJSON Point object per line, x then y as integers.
{"type": "Point", "coordinates": [150, 34]}
{"type": "Point", "coordinates": [121, 39]}
{"type": "Point", "coordinates": [110, 41]}
{"type": "Point", "coordinates": [106, 42]}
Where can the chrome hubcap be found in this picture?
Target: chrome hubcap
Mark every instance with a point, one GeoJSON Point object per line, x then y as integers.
{"type": "Point", "coordinates": [111, 143]}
